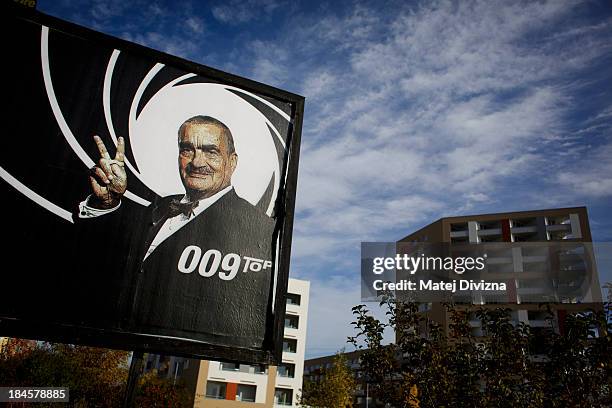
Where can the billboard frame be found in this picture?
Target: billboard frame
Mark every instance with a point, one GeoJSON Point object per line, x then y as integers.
{"type": "Point", "coordinates": [269, 354]}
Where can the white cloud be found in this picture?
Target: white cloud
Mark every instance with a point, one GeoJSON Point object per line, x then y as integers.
{"type": "Point", "coordinates": [102, 9]}
{"type": "Point", "coordinates": [592, 177]}
{"type": "Point", "coordinates": [269, 64]}
{"type": "Point", "coordinates": [242, 11]}
{"type": "Point", "coordinates": [318, 84]}
{"type": "Point", "coordinates": [172, 44]}
{"type": "Point", "coordinates": [195, 24]}
{"type": "Point", "coordinates": [445, 125]}
{"type": "Point", "coordinates": [428, 112]}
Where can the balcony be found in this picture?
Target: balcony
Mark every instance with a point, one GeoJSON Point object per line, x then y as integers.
{"type": "Point", "coordinates": [283, 397]}
{"type": "Point", "coordinates": [524, 230]}
{"type": "Point", "coordinates": [216, 390]}
{"type": "Point", "coordinates": [293, 299]}
{"type": "Point", "coordinates": [289, 346]}
{"type": "Point", "coordinates": [246, 393]}
{"type": "Point", "coordinates": [489, 232]}
{"type": "Point", "coordinates": [286, 370]}
{"type": "Point", "coordinates": [292, 322]}
{"type": "Point", "coordinates": [230, 366]}
{"type": "Point", "coordinates": [559, 228]}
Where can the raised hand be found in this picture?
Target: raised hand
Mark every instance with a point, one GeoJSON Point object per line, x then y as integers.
{"type": "Point", "coordinates": [108, 179]}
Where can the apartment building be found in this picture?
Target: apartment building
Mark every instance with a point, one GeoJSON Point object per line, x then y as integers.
{"type": "Point", "coordinates": [3, 343]}
{"type": "Point", "coordinates": [226, 385]}
{"type": "Point", "coordinates": [522, 262]}
{"type": "Point", "coordinates": [314, 370]}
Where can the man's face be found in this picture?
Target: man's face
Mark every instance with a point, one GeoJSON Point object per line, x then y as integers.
{"type": "Point", "coordinates": [205, 163]}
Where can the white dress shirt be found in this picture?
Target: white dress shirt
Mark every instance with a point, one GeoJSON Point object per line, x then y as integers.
{"type": "Point", "coordinates": [170, 226]}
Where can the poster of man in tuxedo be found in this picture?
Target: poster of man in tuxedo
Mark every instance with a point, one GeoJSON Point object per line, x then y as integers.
{"type": "Point", "coordinates": [150, 198]}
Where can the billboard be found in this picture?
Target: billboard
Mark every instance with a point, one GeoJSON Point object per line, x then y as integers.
{"type": "Point", "coordinates": [151, 199]}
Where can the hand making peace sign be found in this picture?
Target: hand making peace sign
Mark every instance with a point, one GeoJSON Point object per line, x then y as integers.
{"type": "Point", "coordinates": [108, 179]}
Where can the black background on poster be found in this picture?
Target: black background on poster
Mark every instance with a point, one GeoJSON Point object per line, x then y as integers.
{"type": "Point", "coordinates": [41, 295]}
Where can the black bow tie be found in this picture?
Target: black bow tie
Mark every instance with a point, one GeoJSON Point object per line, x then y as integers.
{"type": "Point", "coordinates": [177, 207]}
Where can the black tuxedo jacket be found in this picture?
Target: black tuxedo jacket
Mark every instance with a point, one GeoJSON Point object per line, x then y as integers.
{"type": "Point", "coordinates": [154, 297]}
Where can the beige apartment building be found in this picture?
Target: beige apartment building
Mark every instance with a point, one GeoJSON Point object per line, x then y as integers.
{"type": "Point", "coordinates": [521, 262]}
{"type": "Point", "coordinates": [225, 385]}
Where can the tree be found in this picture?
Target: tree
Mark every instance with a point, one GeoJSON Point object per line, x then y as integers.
{"type": "Point", "coordinates": [153, 391]}
{"type": "Point", "coordinates": [95, 376]}
{"type": "Point", "coordinates": [510, 377]}
{"type": "Point", "coordinates": [579, 372]}
{"type": "Point", "coordinates": [425, 368]}
{"type": "Point", "coordinates": [394, 381]}
{"type": "Point", "coordinates": [335, 390]}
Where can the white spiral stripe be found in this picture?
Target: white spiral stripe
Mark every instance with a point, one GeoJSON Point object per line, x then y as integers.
{"type": "Point", "coordinates": [43, 202]}
{"type": "Point", "coordinates": [108, 77]}
{"type": "Point", "coordinates": [278, 136]}
{"type": "Point", "coordinates": [271, 105]}
{"type": "Point", "coordinates": [59, 117]}
{"type": "Point", "coordinates": [106, 96]}
{"type": "Point", "coordinates": [260, 99]}
{"type": "Point", "coordinates": [132, 117]}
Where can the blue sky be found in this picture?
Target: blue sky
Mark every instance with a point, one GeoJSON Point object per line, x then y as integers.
{"type": "Point", "coordinates": [414, 111]}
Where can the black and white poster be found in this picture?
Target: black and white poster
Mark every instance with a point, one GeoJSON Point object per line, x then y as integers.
{"type": "Point", "coordinates": [147, 200]}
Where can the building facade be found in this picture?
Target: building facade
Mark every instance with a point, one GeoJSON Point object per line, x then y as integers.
{"type": "Point", "coordinates": [225, 385]}
{"type": "Point", "coordinates": [521, 262]}
{"type": "Point", "coordinates": [314, 370]}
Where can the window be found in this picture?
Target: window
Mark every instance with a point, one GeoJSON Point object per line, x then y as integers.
{"type": "Point", "coordinates": [487, 225]}
{"type": "Point", "coordinates": [246, 393]}
{"type": "Point", "coordinates": [289, 345]}
{"type": "Point", "coordinates": [215, 390]}
{"type": "Point", "coordinates": [495, 238]}
{"type": "Point", "coordinates": [286, 370]}
{"type": "Point", "coordinates": [560, 220]}
{"type": "Point", "coordinates": [230, 366]}
{"type": "Point", "coordinates": [523, 222]}
{"type": "Point", "coordinates": [260, 369]}
{"type": "Point", "coordinates": [425, 307]}
{"type": "Point", "coordinates": [163, 366]}
{"type": "Point", "coordinates": [537, 314]}
{"type": "Point", "coordinates": [283, 396]}
{"type": "Point", "coordinates": [293, 299]}
{"type": "Point", "coordinates": [459, 226]}
{"type": "Point", "coordinates": [178, 368]}
{"type": "Point", "coordinates": [291, 321]}
{"type": "Point", "coordinates": [525, 237]}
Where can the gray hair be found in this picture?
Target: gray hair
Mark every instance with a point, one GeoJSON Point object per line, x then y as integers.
{"type": "Point", "coordinates": [208, 120]}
